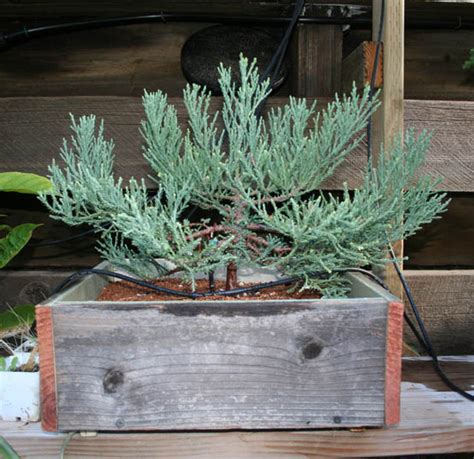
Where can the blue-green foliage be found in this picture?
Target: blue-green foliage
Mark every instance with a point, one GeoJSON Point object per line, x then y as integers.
{"type": "Point", "coordinates": [261, 175]}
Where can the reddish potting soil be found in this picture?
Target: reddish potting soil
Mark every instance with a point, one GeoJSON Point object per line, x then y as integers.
{"type": "Point", "coordinates": [126, 291]}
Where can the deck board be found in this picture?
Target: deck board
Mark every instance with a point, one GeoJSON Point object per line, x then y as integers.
{"type": "Point", "coordinates": [433, 420]}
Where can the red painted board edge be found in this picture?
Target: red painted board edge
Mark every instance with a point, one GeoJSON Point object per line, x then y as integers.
{"type": "Point", "coordinates": [44, 327]}
{"type": "Point", "coordinates": [393, 363]}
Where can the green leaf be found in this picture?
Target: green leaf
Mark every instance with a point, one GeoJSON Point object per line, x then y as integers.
{"type": "Point", "coordinates": [17, 320]}
{"type": "Point", "coordinates": [21, 182]}
{"type": "Point", "coordinates": [14, 241]}
{"type": "Point", "coordinates": [6, 451]}
{"type": "Point", "coordinates": [13, 364]}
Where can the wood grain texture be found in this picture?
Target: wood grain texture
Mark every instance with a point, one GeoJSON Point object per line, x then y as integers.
{"type": "Point", "coordinates": [433, 421]}
{"type": "Point", "coordinates": [433, 64]}
{"type": "Point", "coordinates": [388, 121]}
{"type": "Point", "coordinates": [393, 365]}
{"type": "Point", "coordinates": [451, 123]}
{"type": "Point", "coordinates": [447, 242]}
{"type": "Point", "coordinates": [28, 287]}
{"type": "Point", "coordinates": [201, 366]}
{"type": "Point", "coordinates": [48, 396]}
{"type": "Point", "coordinates": [358, 67]}
{"type": "Point", "coordinates": [446, 303]}
{"type": "Point", "coordinates": [317, 50]}
{"type": "Point", "coordinates": [433, 60]}
{"type": "Point", "coordinates": [118, 61]}
{"type": "Point", "coordinates": [32, 130]}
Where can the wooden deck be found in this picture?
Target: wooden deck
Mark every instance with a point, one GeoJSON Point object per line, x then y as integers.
{"type": "Point", "coordinates": [433, 421]}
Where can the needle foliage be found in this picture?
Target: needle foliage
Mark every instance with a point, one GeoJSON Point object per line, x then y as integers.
{"type": "Point", "coordinates": [261, 175]}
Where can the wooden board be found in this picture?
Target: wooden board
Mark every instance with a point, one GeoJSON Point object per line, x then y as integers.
{"type": "Point", "coordinates": [122, 61]}
{"type": "Point", "coordinates": [74, 8]}
{"type": "Point", "coordinates": [451, 123]}
{"type": "Point", "coordinates": [433, 64]}
{"type": "Point", "coordinates": [28, 287]}
{"type": "Point", "coordinates": [111, 61]}
{"type": "Point", "coordinates": [32, 130]}
{"type": "Point", "coordinates": [201, 366]}
{"type": "Point", "coordinates": [358, 66]}
{"type": "Point", "coordinates": [447, 242]}
{"type": "Point", "coordinates": [433, 61]}
{"type": "Point", "coordinates": [433, 421]}
{"type": "Point", "coordinates": [445, 300]}
{"type": "Point", "coordinates": [388, 121]}
{"type": "Point", "coordinates": [317, 55]}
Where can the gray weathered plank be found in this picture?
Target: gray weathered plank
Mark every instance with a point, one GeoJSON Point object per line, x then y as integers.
{"type": "Point", "coordinates": [446, 303]}
{"type": "Point", "coordinates": [197, 366]}
{"type": "Point", "coordinates": [433, 421]}
{"type": "Point", "coordinates": [317, 52]}
{"type": "Point", "coordinates": [32, 130]}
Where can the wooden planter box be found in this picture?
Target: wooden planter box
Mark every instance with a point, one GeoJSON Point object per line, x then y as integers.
{"type": "Point", "coordinates": [193, 365]}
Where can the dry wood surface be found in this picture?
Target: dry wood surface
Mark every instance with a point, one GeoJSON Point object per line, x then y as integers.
{"type": "Point", "coordinates": [201, 366]}
{"type": "Point", "coordinates": [434, 421]}
{"type": "Point", "coordinates": [446, 303]}
{"type": "Point", "coordinates": [32, 130]}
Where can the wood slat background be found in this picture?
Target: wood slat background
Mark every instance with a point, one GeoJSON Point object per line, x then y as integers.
{"type": "Point", "coordinates": [105, 71]}
{"type": "Point", "coordinates": [32, 130]}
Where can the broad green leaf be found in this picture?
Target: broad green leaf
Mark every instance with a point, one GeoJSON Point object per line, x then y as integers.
{"type": "Point", "coordinates": [6, 451]}
{"type": "Point", "coordinates": [17, 320]}
{"type": "Point", "coordinates": [14, 241]}
{"type": "Point", "coordinates": [21, 182]}
{"type": "Point", "coordinates": [13, 364]}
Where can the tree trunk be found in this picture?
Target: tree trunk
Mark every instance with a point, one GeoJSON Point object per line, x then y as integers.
{"type": "Point", "coordinates": [231, 277]}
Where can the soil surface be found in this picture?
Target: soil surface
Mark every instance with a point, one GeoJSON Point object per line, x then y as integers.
{"type": "Point", "coordinates": [126, 291]}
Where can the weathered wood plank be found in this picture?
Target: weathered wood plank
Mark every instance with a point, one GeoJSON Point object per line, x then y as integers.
{"type": "Point", "coordinates": [358, 67]}
{"type": "Point", "coordinates": [433, 64]}
{"type": "Point", "coordinates": [447, 242]}
{"type": "Point", "coordinates": [74, 8]}
{"type": "Point", "coordinates": [192, 366]}
{"type": "Point", "coordinates": [433, 61]}
{"type": "Point", "coordinates": [32, 130]}
{"type": "Point", "coordinates": [446, 303]}
{"type": "Point", "coordinates": [388, 121]}
{"type": "Point", "coordinates": [451, 123]}
{"type": "Point", "coordinates": [117, 61]}
{"type": "Point", "coordinates": [28, 287]}
{"type": "Point", "coordinates": [317, 53]}
{"type": "Point", "coordinates": [48, 395]}
{"type": "Point", "coordinates": [393, 363]}
{"type": "Point", "coordinates": [433, 421]}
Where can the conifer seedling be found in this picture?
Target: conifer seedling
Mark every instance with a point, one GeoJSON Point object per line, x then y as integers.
{"type": "Point", "coordinates": [261, 175]}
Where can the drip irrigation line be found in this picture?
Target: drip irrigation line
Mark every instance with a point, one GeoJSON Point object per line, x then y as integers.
{"type": "Point", "coordinates": [25, 33]}
{"type": "Point", "coordinates": [63, 240]}
{"type": "Point", "coordinates": [195, 295]}
{"type": "Point", "coordinates": [422, 334]}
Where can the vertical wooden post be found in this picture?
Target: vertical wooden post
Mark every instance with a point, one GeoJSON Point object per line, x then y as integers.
{"type": "Point", "coordinates": [388, 121]}
{"type": "Point", "coordinates": [317, 60]}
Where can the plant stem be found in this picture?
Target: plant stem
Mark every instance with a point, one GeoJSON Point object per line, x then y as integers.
{"type": "Point", "coordinates": [231, 276]}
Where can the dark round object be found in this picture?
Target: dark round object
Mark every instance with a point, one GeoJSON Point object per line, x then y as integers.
{"type": "Point", "coordinates": [206, 49]}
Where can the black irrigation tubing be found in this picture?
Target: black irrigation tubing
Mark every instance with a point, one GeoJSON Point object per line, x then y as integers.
{"type": "Point", "coordinates": [195, 295]}
{"type": "Point", "coordinates": [26, 33]}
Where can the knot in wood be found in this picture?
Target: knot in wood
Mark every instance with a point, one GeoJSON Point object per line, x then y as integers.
{"type": "Point", "coordinates": [113, 379]}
